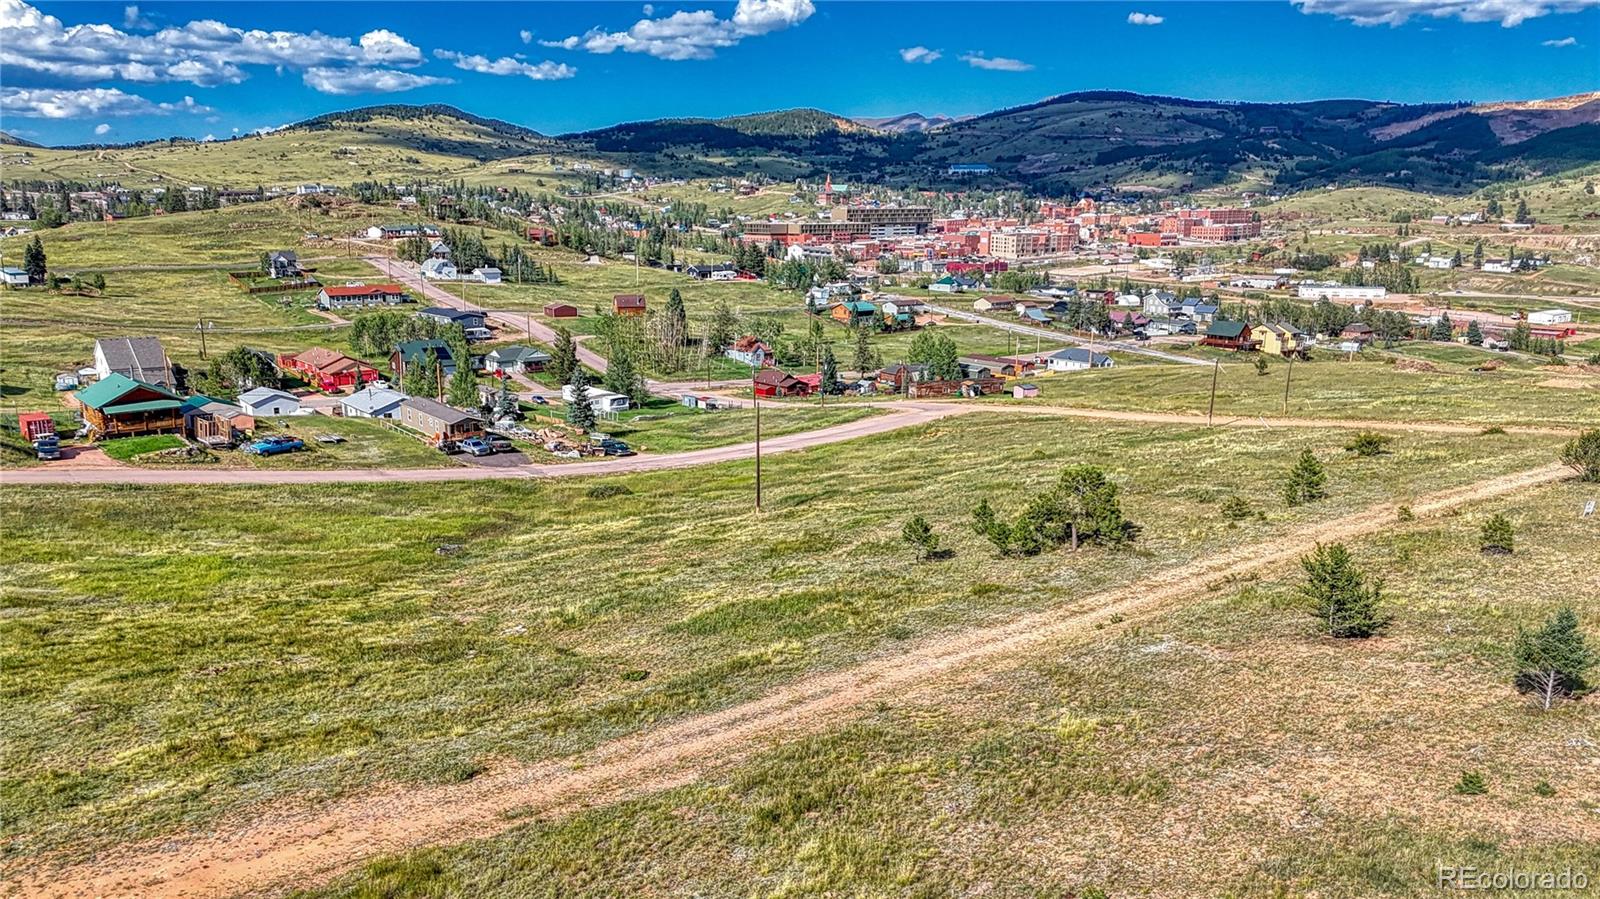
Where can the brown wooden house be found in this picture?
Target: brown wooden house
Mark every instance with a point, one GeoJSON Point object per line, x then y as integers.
{"type": "Point", "coordinates": [119, 406]}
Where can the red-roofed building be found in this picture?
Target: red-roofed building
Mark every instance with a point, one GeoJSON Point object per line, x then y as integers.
{"type": "Point", "coordinates": [772, 382]}
{"type": "Point", "coordinates": [360, 296]}
{"type": "Point", "coordinates": [628, 304]}
{"type": "Point", "coordinates": [327, 369]}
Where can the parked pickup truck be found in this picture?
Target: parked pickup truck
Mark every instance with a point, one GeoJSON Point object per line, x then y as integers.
{"type": "Point", "coordinates": [48, 449]}
{"type": "Point", "coordinates": [272, 446]}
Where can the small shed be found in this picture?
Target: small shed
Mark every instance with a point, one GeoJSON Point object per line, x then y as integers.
{"type": "Point", "coordinates": [34, 425]}
{"type": "Point", "coordinates": [1024, 391]}
{"type": "Point", "coordinates": [560, 310]}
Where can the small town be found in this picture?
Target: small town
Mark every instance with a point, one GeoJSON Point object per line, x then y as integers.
{"type": "Point", "coordinates": [519, 449]}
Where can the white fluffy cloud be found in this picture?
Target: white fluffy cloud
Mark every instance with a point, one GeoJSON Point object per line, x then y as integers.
{"type": "Point", "coordinates": [995, 63]}
{"type": "Point", "coordinates": [1144, 18]}
{"type": "Point", "coordinates": [695, 35]}
{"type": "Point", "coordinates": [1563, 42]}
{"type": "Point", "coordinates": [506, 65]}
{"type": "Point", "coordinates": [53, 103]}
{"type": "Point", "coordinates": [1509, 13]}
{"type": "Point", "coordinates": [526, 35]}
{"type": "Point", "coordinates": [919, 54]}
{"type": "Point", "coordinates": [203, 52]}
{"type": "Point", "coordinates": [344, 81]}
{"type": "Point", "coordinates": [131, 19]}
{"type": "Point", "coordinates": [102, 128]}
{"type": "Point", "coordinates": [566, 43]}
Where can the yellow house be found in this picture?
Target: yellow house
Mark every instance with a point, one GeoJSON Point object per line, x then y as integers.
{"type": "Point", "coordinates": [1280, 340]}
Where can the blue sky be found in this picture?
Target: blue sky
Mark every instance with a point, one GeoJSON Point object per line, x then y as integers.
{"type": "Point", "coordinates": [111, 72]}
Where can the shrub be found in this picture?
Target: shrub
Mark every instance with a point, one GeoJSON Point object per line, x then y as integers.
{"type": "Point", "coordinates": [1543, 789]}
{"type": "Point", "coordinates": [1496, 536]}
{"type": "Point", "coordinates": [1261, 364]}
{"type": "Point", "coordinates": [1341, 597]}
{"type": "Point", "coordinates": [1472, 783]}
{"type": "Point", "coordinates": [1236, 508]}
{"type": "Point", "coordinates": [1492, 431]}
{"type": "Point", "coordinates": [1368, 443]}
{"type": "Point", "coordinates": [1081, 508]}
{"type": "Point", "coordinates": [919, 535]}
{"type": "Point", "coordinates": [1582, 454]}
{"type": "Point", "coordinates": [606, 491]}
{"type": "Point", "coordinates": [1308, 481]}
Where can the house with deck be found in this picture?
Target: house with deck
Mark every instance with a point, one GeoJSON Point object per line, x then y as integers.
{"type": "Point", "coordinates": [119, 406]}
{"type": "Point", "coordinates": [1229, 335]}
{"type": "Point", "coordinates": [359, 296]}
{"type": "Point", "coordinates": [328, 370]}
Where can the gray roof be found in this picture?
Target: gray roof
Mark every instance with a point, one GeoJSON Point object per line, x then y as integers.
{"type": "Point", "coordinates": [447, 414]}
{"type": "Point", "coordinates": [519, 354]}
{"type": "Point", "coordinates": [261, 394]}
{"type": "Point", "coordinates": [1079, 354]}
{"type": "Point", "coordinates": [369, 399]}
{"type": "Point", "coordinates": [135, 356]}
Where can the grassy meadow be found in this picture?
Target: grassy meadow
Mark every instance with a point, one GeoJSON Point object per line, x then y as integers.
{"type": "Point", "coordinates": [1334, 388]}
{"type": "Point", "coordinates": [174, 655]}
{"type": "Point", "coordinates": [1226, 747]}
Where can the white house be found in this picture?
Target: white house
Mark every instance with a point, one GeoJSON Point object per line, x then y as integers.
{"type": "Point", "coordinates": [436, 269]}
{"type": "Point", "coordinates": [267, 401]}
{"type": "Point", "coordinates": [488, 275]}
{"type": "Point", "coordinates": [1496, 266]}
{"type": "Point", "coordinates": [599, 400]}
{"type": "Point", "coordinates": [1340, 292]}
{"type": "Point", "coordinates": [372, 402]}
{"type": "Point", "coordinates": [1076, 359]}
{"type": "Point", "coordinates": [1550, 317]}
{"type": "Point", "coordinates": [14, 277]}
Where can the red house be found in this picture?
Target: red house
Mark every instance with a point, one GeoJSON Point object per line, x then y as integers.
{"type": "Point", "coordinates": [628, 304]}
{"type": "Point", "coordinates": [772, 382]}
{"type": "Point", "coordinates": [329, 370]}
{"type": "Point", "coordinates": [560, 310]}
{"type": "Point", "coordinates": [544, 236]}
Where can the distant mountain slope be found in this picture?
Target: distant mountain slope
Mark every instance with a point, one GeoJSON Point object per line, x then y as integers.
{"type": "Point", "coordinates": [1093, 140]}
{"type": "Point", "coordinates": [13, 140]}
{"type": "Point", "coordinates": [909, 122]}
{"type": "Point", "coordinates": [1120, 140]}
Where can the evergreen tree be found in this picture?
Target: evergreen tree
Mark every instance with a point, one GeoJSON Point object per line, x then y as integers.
{"type": "Point", "coordinates": [676, 313]}
{"type": "Point", "coordinates": [1496, 536]}
{"type": "Point", "coordinates": [1443, 329]}
{"type": "Point", "coordinates": [1554, 661]}
{"type": "Point", "coordinates": [1582, 454]}
{"type": "Point", "coordinates": [919, 535]}
{"type": "Point", "coordinates": [580, 414]}
{"type": "Point", "coordinates": [463, 389]}
{"type": "Point", "coordinates": [422, 375]}
{"type": "Point", "coordinates": [1308, 481]}
{"type": "Point", "coordinates": [829, 370]}
{"type": "Point", "coordinates": [1340, 595]}
{"type": "Point", "coordinates": [866, 358]}
{"type": "Point", "coordinates": [1474, 333]}
{"type": "Point", "coordinates": [564, 358]}
{"type": "Point", "coordinates": [621, 377]}
{"type": "Point", "coordinates": [34, 261]}
{"type": "Point", "coordinates": [1523, 216]}
{"type": "Point", "coordinates": [721, 330]}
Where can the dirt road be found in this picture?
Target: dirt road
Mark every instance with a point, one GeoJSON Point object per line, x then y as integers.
{"type": "Point", "coordinates": [516, 321]}
{"type": "Point", "coordinates": [899, 415]}
{"type": "Point", "coordinates": [298, 847]}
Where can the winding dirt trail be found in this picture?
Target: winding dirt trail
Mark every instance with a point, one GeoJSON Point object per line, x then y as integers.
{"type": "Point", "coordinates": [297, 847]}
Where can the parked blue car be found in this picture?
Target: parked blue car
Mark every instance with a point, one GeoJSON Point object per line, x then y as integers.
{"type": "Point", "coordinates": [272, 446]}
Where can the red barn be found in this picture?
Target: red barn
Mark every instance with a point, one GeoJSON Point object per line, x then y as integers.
{"type": "Point", "coordinates": [560, 310]}
{"type": "Point", "coordinates": [775, 383]}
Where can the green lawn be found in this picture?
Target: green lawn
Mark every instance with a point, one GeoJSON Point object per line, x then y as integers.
{"type": "Point", "coordinates": [125, 449]}
{"type": "Point", "coordinates": [175, 654]}
{"type": "Point", "coordinates": [667, 427]}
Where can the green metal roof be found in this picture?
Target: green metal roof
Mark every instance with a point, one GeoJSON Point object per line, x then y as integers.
{"type": "Point", "coordinates": [146, 406]}
{"type": "Point", "coordinates": [1225, 329]}
{"type": "Point", "coordinates": [113, 387]}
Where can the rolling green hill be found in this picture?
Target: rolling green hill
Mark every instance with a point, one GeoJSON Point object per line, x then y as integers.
{"type": "Point", "coordinates": [1100, 140]}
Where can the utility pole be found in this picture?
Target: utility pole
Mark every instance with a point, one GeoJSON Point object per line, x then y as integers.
{"type": "Point", "coordinates": [1216, 368]}
{"type": "Point", "coordinates": [756, 399]}
{"type": "Point", "coordinates": [1287, 375]}
{"type": "Point", "coordinates": [201, 327]}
